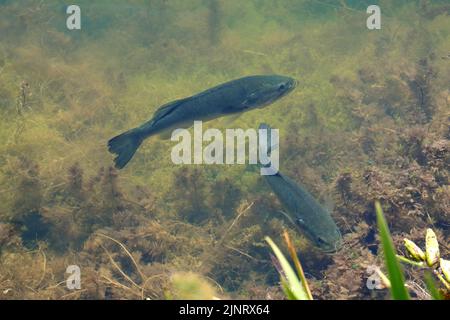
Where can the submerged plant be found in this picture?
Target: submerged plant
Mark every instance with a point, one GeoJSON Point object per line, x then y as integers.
{"type": "Point", "coordinates": [429, 259]}
{"type": "Point", "coordinates": [294, 285]}
{"type": "Point", "coordinates": [396, 277]}
{"type": "Point", "coordinates": [190, 286]}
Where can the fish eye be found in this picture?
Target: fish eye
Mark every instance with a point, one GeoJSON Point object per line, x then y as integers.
{"type": "Point", "coordinates": [281, 87]}
{"type": "Point", "coordinates": [320, 241]}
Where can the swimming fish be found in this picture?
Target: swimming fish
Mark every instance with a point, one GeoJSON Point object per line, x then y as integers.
{"type": "Point", "coordinates": [229, 98]}
{"type": "Point", "coordinates": [304, 211]}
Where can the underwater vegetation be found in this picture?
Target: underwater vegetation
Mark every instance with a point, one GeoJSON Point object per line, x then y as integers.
{"type": "Point", "coordinates": [369, 120]}
{"type": "Point", "coordinates": [296, 286]}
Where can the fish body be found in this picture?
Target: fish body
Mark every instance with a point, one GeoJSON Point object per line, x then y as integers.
{"type": "Point", "coordinates": [229, 98]}
{"type": "Point", "coordinates": [306, 213]}
{"type": "Point", "coordinates": [303, 210]}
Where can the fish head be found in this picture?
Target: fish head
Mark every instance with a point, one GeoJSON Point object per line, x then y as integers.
{"type": "Point", "coordinates": [324, 234]}
{"type": "Point", "coordinates": [267, 89]}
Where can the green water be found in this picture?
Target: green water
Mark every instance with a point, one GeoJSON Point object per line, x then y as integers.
{"type": "Point", "coordinates": [368, 120]}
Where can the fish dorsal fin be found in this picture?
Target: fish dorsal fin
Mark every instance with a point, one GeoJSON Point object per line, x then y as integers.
{"type": "Point", "coordinates": [168, 108]}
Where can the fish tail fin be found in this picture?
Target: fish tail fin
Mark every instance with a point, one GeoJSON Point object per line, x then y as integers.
{"type": "Point", "coordinates": [124, 146]}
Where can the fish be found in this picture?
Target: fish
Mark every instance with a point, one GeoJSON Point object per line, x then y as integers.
{"type": "Point", "coordinates": [304, 211]}
{"type": "Point", "coordinates": [230, 98]}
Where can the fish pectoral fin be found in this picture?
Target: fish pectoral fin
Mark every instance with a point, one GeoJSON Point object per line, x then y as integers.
{"type": "Point", "coordinates": [249, 102]}
{"type": "Point", "coordinates": [287, 216]}
{"type": "Point", "coordinates": [232, 118]}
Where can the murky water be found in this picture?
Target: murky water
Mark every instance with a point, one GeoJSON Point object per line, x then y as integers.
{"type": "Point", "coordinates": [368, 120]}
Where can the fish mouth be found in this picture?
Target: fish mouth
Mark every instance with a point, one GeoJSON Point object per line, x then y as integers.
{"type": "Point", "coordinates": [331, 249]}
{"type": "Point", "coordinates": [290, 85]}
{"type": "Point", "coordinates": [294, 83]}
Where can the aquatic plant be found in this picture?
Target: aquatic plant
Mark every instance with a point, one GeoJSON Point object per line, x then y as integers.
{"type": "Point", "coordinates": [418, 258]}
{"type": "Point", "coordinates": [429, 259]}
{"type": "Point", "coordinates": [215, 21]}
{"type": "Point", "coordinates": [190, 286]}
{"type": "Point", "coordinates": [294, 285]}
{"type": "Point", "coordinates": [396, 277]}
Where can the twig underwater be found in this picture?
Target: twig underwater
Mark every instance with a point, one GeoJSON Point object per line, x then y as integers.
{"type": "Point", "coordinates": [144, 280]}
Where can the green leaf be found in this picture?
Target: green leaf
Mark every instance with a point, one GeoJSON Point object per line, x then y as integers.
{"type": "Point", "coordinates": [291, 284]}
{"type": "Point", "coordinates": [398, 289]}
{"type": "Point", "coordinates": [431, 287]}
{"type": "Point", "coordinates": [287, 291]}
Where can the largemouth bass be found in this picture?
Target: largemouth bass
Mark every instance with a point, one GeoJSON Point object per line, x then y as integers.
{"type": "Point", "coordinates": [304, 211]}
{"type": "Point", "coordinates": [313, 220]}
{"type": "Point", "coordinates": [232, 97]}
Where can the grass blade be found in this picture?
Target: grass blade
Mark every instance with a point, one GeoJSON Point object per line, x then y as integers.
{"type": "Point", "coordinates": [287, 290]}
{"type": "Point", "coordinates": [297, 265]}
{"type": "Point", "coordinates": [398, 289]}
{"type": "Point", "coordinates": [290, 283]}
{"type": "Point", "coordinates": [431, 287]}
